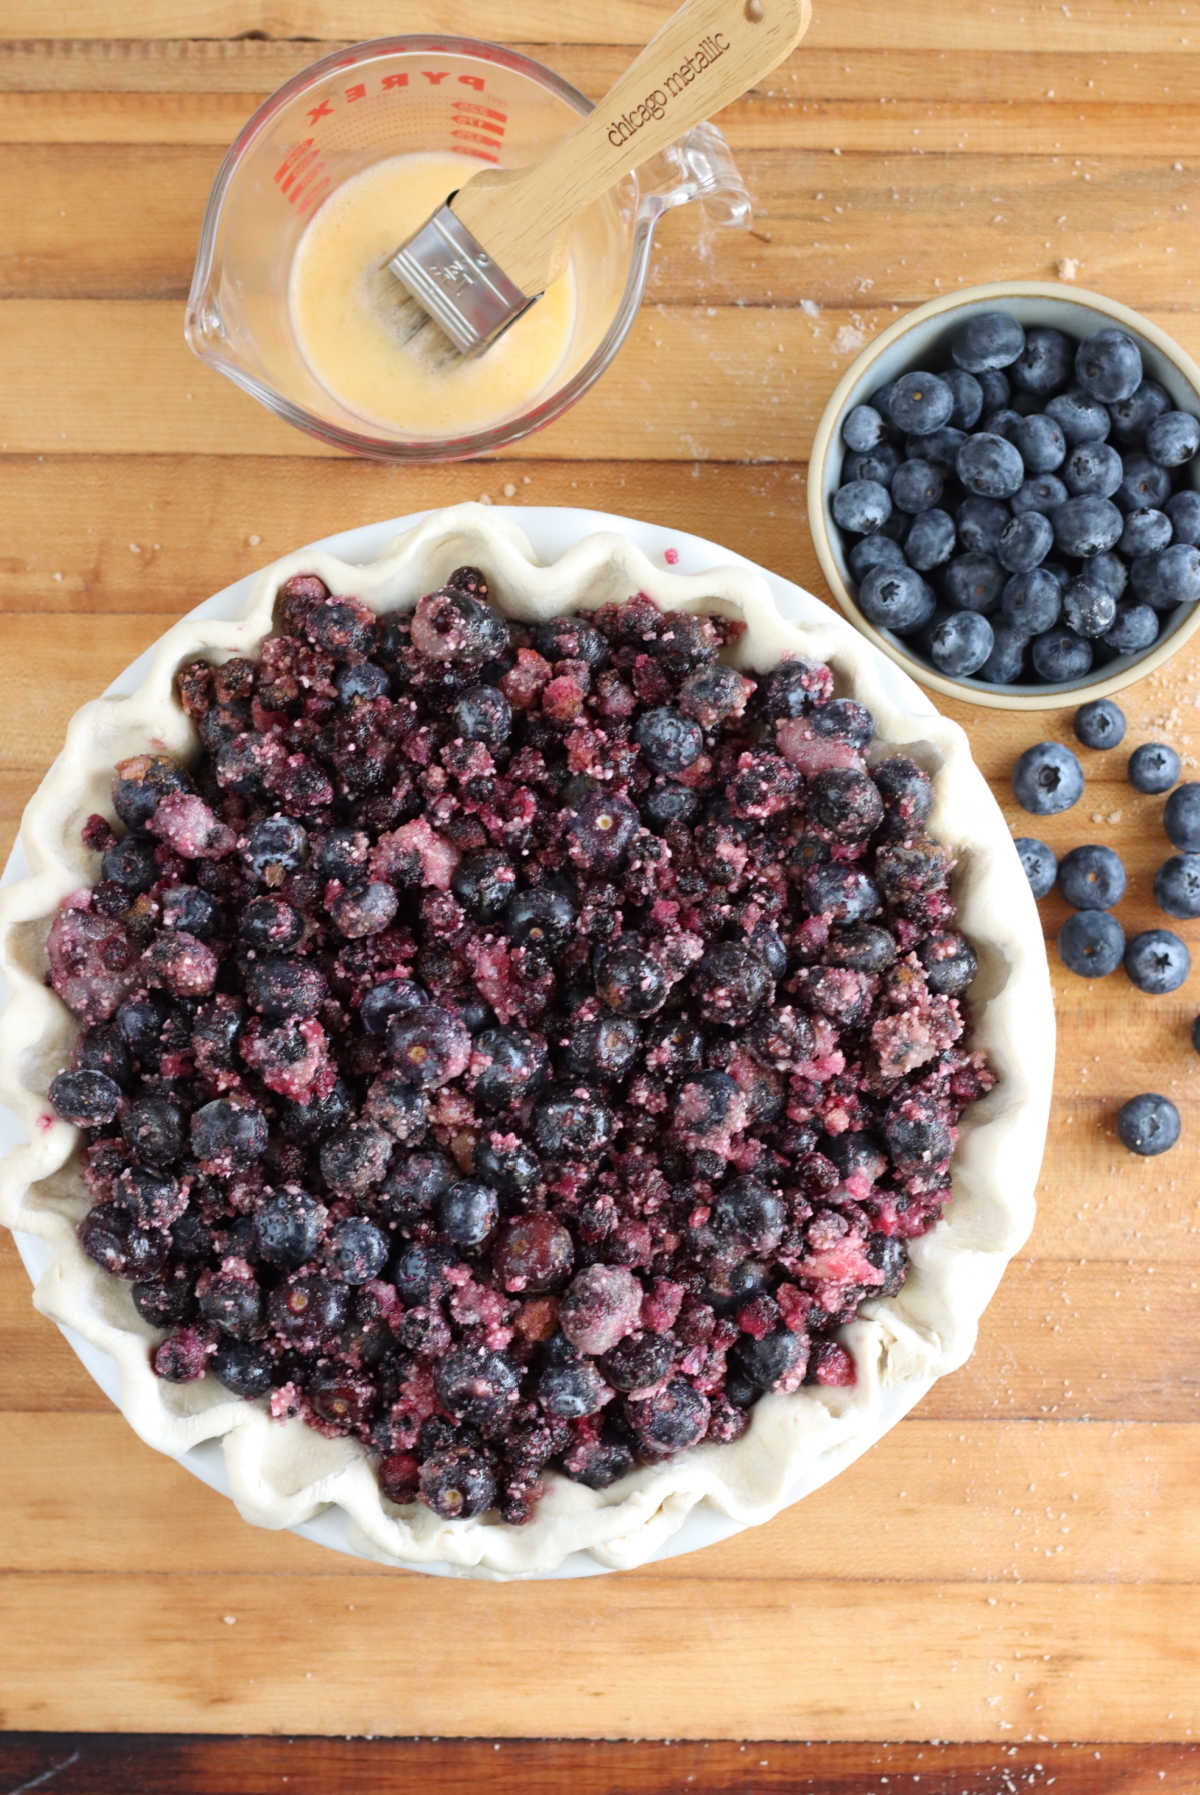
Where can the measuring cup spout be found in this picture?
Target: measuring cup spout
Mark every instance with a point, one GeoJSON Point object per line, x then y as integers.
{"type": "Point", "coordinates": [700, 167]}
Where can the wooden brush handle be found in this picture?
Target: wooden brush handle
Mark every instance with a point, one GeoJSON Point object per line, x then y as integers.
{"type": "Point", "coordinates": [707, 54]}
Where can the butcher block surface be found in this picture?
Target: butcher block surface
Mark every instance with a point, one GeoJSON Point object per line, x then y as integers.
{"type": "Point", "coordinates": [1003, 1594]}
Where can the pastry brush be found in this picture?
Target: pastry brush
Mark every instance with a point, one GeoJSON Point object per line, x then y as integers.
{"type": "Point", "coordinates": [498, 242]}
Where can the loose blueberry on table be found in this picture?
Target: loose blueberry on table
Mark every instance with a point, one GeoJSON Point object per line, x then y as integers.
{"type": "Point", "coordinates": [985, 498]}
{"type": "Point", "coordinates": [518, 1047]}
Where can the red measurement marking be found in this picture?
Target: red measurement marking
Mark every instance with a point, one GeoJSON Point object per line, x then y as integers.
{"type": "Point", "coordinates": [357, 92]}
{"type": "Point", "coordinates": [324, 110]}
{"type": "Point", "coordinates": [296, 150]}
{"type": "Point", "coordinates": [479, 155]}
{"type": "Point", "coordinates": [306, 161]}
{"type": "Point", "coordinates": [315, 195]}
{"type": "Point", "coordinates": [476, 111]}
{"type": "Point", "coordinates": [314, 172]}
{"type": "Point", "coordinates": [395, 81]}
{"type": "Point", "coordinates": [461, 136]}
{"type": "Point", "coordinates": [435, 77]}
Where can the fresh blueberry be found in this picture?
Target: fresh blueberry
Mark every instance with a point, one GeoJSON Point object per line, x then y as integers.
{"type": "Point", "coordinates": [1132, 417]}
{"type": "Point", "coordinates": [1183, 509]}
{"type": "Point", "coordinates": [916, 486]}
{"type": "Point", "coordinates": [1136, 627]}
{"type": "Point", "coordinates": [1087, 610]}
{"type": "Point", "coordinates": [861, 506]}
{"type": "Point", "coordinates": [1046, 779]}
{"type": "Point", "coordinates": [516, 1066]}
{"type": "Point", "coordinates": [862, 428]}
{"type": "Point", "coordinates": [1041, 443]}
{"type": "Point", "coordinates": [981, 524]}
{"type": "Point", "coordinates": [1195, 1032]}
{"type": "Point", "coordinates": [1169, 578]}
{"type": "Point", "coordinates": [1091, 878]}
{"type": "Point", "coordinates": [1087, 526]}
{"type": "Point", "coordinates": [919, 402]}
{"type": "Point", "coordinates": [1108, 572]}
{"type": "Point", "coordinates": [1006, 663]}
{"type": "Point", "coordinates": [1148, 1125]}
{"type": "Point", "coordinates": [1157, 961]}
{"type": "Point", "coordinates": [1177, 886]}
{"type": "Point", "coordinates": [940, 448]}
{"type": "Point", "coordinates": [878, 551]}
{"type": "Point", "coordinates": [974, 582]}
{"type": "Point", "coordinates": [1093, 469]}
{"type": "Point", "coordinates": [990, 467]}
{"type": "Point", "coordinates": [987, 341]}
{"type": "Point", "coordinates": [995, 387]}
{"type": "Point", "coordinates": [895, 598]}
{"type": "Point", "coordinates": [968, 398]}
{"type": "Point", "coordinates": [878, 464]}
{"type": "Point", "coordinates": [1060, 657]}
{"type": "Point", "coordinates": [1100, 724]}
{"type": "Point", "coordinates": [961, 644]}
{"type": "Point", "coordinates": [1031, 602]}
{"type": "Point", "coordinates": [929, 543]}
{"type": "Point", "coordinates": [1091, 943]}
{"type": "Point", "coordinates": [1173, 438]}
{"type": "Point", "coordinates": [1108, 365]}
{"type": "Point", "coordinates": [1041, 867]}
{"type": "Point", "coordinates": [1145, 533]}
{"type": "Point", "coordinates": [1044, 492]}
{"type": "Point", "coordinates": [1154, 767]}
{"type": "Point", "coordinates": [1044, 365]}
{"type": "Point", "coordinates": [1005, 422]}
{"type": "Point", "coordinates": [1025, 542]}
{"type": "Point", "coordinates": [1081, 418]}
{"type": "Point", "coordinates": [1144, 485]}
{"type": "Point", "coordinates": [1181, 818]}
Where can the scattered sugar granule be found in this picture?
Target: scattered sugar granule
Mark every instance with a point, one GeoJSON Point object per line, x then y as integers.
{"type": "Point", "coordinates": [510, 491]}
{"type": "Point", "coordinates": [848, 337]}
{"type": "Point", "coordinates": [1066, 268]}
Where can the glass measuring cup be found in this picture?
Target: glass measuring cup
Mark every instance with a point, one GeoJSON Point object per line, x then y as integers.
{"type": "Point", "coordinates": [386, 98]}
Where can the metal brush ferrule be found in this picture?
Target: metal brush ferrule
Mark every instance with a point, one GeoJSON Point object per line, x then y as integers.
{"type": "Point", "coordinates": [451, 275]}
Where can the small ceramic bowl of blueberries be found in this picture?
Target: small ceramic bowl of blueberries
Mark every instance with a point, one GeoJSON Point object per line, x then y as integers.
{"type": "Point", "coordinates": [1004, 493]}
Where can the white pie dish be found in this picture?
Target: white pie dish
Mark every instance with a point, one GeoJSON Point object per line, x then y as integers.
{"type": "Point", "coordinates": [285, 1475]}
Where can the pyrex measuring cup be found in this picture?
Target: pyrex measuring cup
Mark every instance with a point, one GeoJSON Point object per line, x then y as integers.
{"type": "Point", "coordinates": [386, 98]}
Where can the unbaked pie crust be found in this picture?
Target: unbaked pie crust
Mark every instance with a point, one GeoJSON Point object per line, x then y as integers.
{"type": "Point", "coordinates": [282, 1472]}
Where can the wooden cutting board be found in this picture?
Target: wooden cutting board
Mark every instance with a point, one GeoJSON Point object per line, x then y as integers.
{"type": "Point", "coordinates": [1016, 1567]}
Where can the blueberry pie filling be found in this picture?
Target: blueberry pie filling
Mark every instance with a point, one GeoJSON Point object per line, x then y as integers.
{"type": "Point", "coordinates": [519, 1047]}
